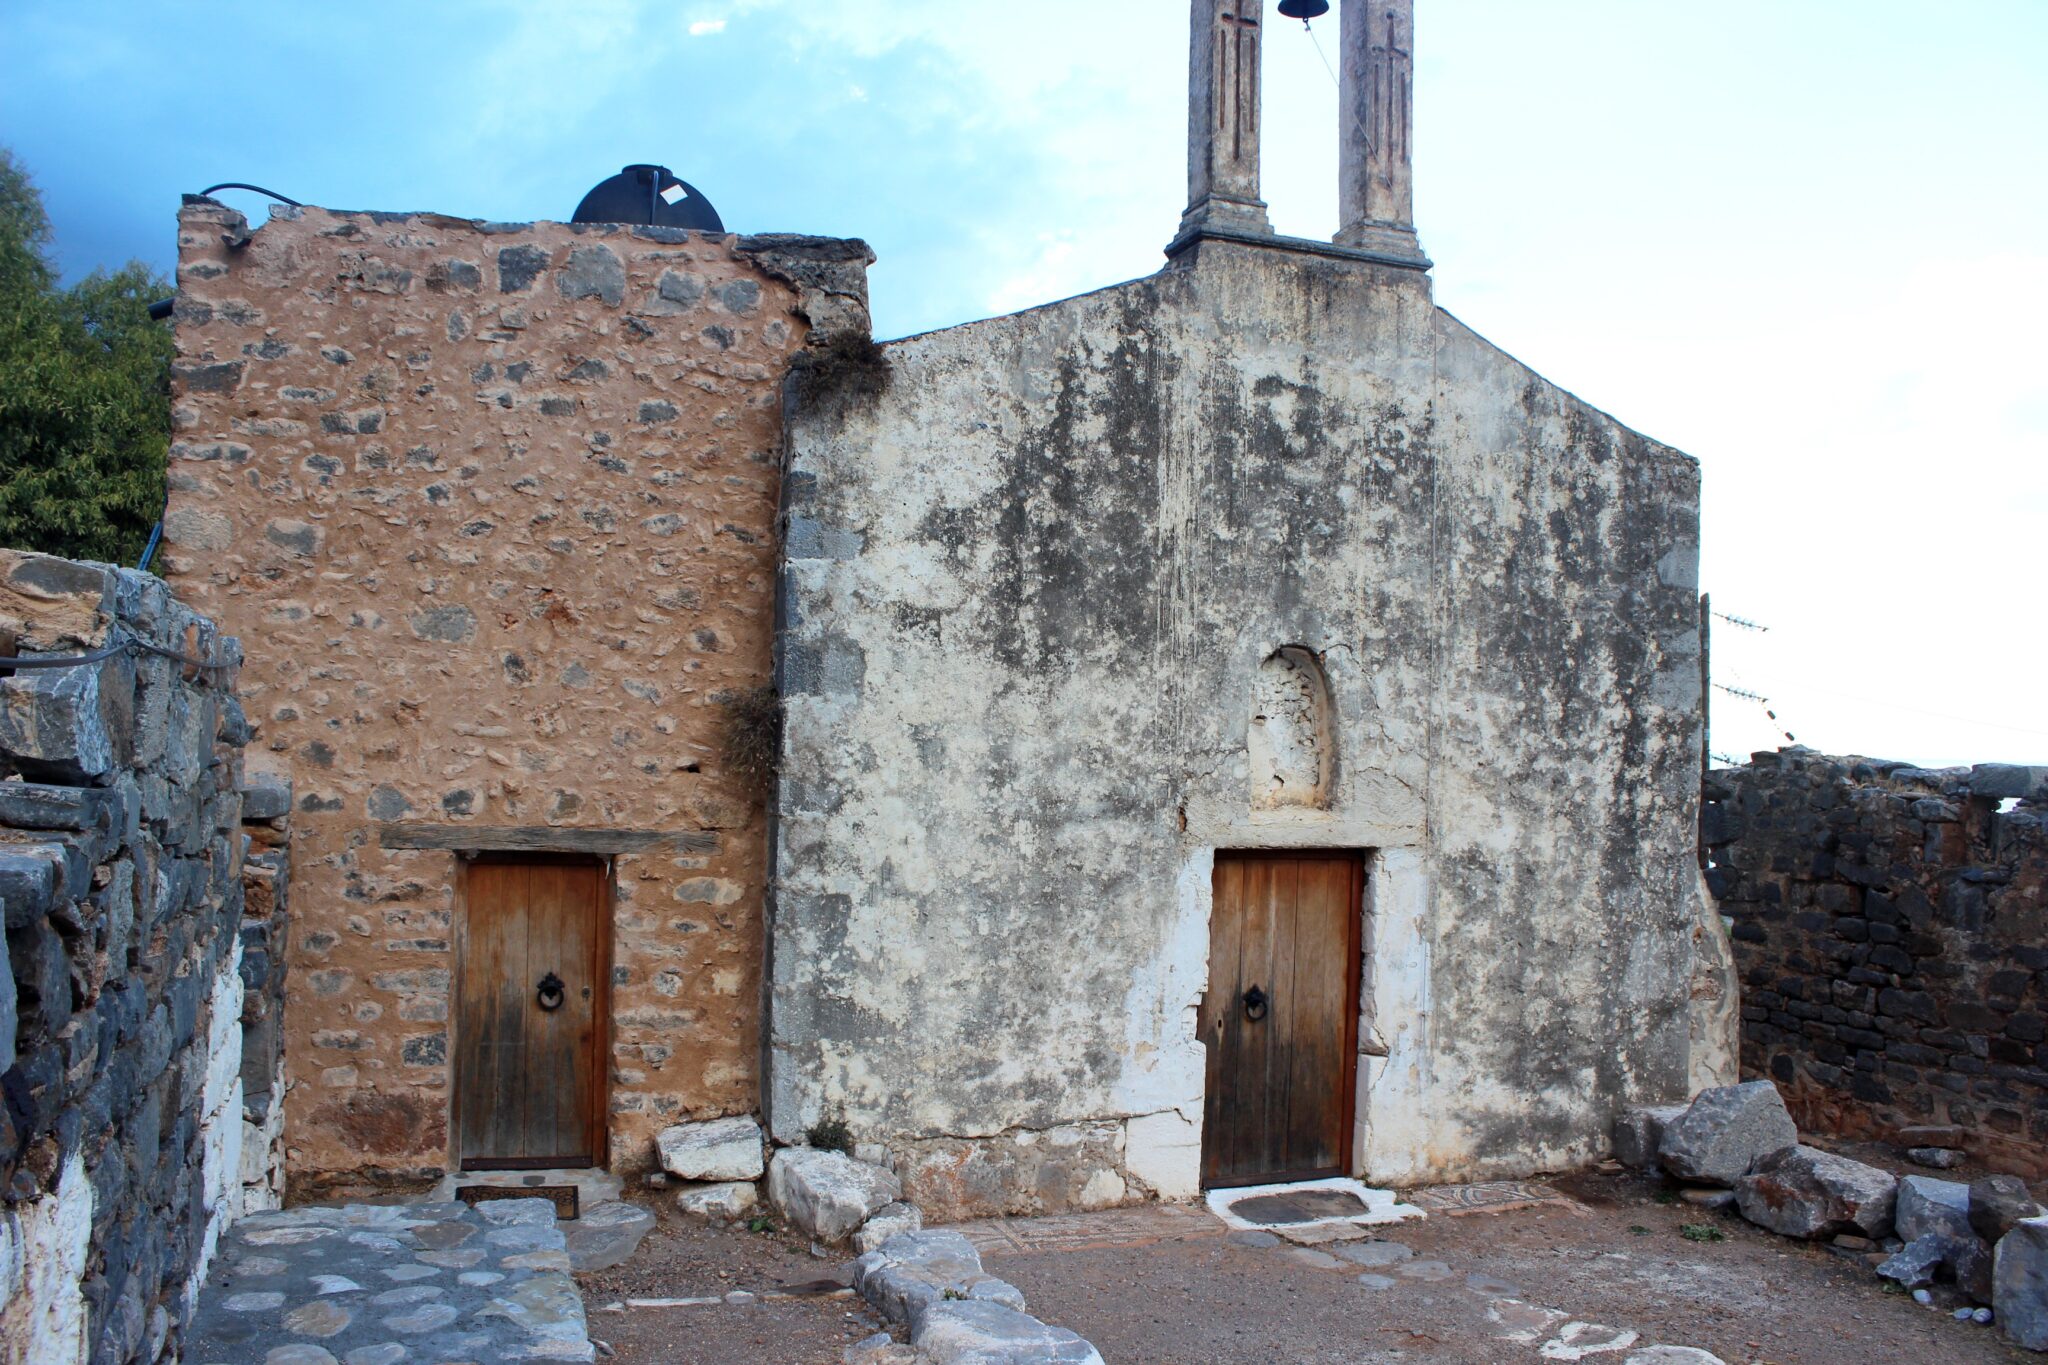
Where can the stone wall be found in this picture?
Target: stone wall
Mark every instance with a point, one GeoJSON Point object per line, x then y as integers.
{"type": "Point", "coordinates": [1891, 929]}
{"type": "Point", "coordinates": [138, 1003]}
{"type": "Point", "coordinates": [493, 507]}
{"type": "Point", "coordinates": [1033, 592]}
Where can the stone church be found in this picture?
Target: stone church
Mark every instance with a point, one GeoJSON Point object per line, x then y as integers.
{"type": "Point", "coordinates": [1236, 725]}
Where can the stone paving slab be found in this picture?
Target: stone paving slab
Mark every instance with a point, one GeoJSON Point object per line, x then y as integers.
{"type": "Point", "coordinates": [373, 1284]}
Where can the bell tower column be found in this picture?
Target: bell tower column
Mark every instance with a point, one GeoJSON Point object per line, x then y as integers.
{"type": "Point", "coordinates": [1223, 117]}
{"type": "Point", "coordinates": [1375, 109]}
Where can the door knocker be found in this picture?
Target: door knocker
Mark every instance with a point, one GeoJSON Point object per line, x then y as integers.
{"type": "Point", "coordinates": [1255, 1003]}
{"type": "Point", "coordinates": [552, 992]}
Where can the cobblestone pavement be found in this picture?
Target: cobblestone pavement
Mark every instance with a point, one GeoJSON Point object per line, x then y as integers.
{"type": "Point", "coordinates": [364, 1284]}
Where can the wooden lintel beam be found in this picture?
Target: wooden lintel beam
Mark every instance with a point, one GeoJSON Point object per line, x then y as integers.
{"type": "Point", "coordinates": [545, 839]}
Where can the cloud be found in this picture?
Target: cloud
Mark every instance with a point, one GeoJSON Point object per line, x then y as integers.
{"type": "Point", "coordinates": [705, 26]}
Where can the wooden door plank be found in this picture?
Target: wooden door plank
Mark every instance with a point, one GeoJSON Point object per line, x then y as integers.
{"type": "Point", "coordinates": [1315, 1084]}
{"type": "Point", "coordinates": [512, 914]}
{"type": "Point", "coordinates": [1220, 1016]}
{"type": "Point", "coordinates": [1283, 893]}
{"type": "Point", "coordinates": [555, 1130]}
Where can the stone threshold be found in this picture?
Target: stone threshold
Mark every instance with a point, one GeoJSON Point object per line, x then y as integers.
{"type": "Point", "coordinates": [1330, 1210]}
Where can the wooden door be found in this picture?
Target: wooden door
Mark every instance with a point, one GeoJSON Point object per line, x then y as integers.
{"type": "Point", "coordinates": [1280, 1019]}
{"type": "Point", "coordinates": [529, 1024]}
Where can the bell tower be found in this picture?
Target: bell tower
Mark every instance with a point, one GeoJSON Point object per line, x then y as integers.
{"type": "Point", "coordinates": [1376, 113]}
{"type": "Point", "coordinates": [1375, 110]}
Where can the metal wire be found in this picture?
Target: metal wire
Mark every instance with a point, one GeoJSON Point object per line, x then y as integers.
{"type": "Point", "coordinates": [19, 663]}
{"type": "Point", "coordinates": [244, 185]}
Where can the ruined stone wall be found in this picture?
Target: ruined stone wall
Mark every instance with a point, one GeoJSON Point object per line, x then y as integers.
{"type": "Point", "coordinates": [1891, 928]}
{"type": "Point", "coordinates": [492, 506]}
{"type": "Point", "coordinates": [1028, 594]}
{"type": "Point", "coordinates": [134, 992]}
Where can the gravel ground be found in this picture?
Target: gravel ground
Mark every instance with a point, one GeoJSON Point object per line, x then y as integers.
{"type": "Point", "coordinates": [1751, 1297]}
{"type": "Point", "coordinates": [1619, 1259]}
{"type": "Point", "coordinates": [685, 1258]}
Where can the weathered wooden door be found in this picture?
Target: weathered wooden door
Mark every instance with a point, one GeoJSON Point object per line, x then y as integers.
{"type": "Point", "coordinates": [528, 1029]}
{"type": "Point", "coordinates": [1280, 1019]}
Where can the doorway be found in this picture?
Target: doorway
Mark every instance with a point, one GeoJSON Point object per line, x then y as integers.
{"type": "Point", "coordinates": [532, 1002]}
{"type": "Point", "coordinates": [1280, 1019]}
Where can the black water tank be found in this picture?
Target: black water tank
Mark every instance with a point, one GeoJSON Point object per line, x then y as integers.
{"type": "Point", "coordinates": [651, 196]}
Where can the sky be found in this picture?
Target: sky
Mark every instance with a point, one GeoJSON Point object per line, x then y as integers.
{"type": "Point", "coordinates": [1805, 241]}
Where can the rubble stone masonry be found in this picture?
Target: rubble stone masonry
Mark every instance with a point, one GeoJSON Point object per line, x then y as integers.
{"type": "Point", "coordinates": [493, 508]}
{"type": "Point", "coordinates": [141, 982]}
{"type": "Point", "coordinates": [1891, 927]}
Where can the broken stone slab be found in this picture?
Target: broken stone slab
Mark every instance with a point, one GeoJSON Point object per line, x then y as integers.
{"type": "Point", "coordinates": [1996, 1203]}
{"type": "Point", "coordinates": [719, 1150]}
{"type": "Point", "coordinates": [1804, 1192]}
{"type": "Point", "coordinates": [1376, 1254]}
{"type": "Point", "coordinates": [1929, 1205]}
{"type": "Point", "coordinates": [1725, 1132]}
{"type": "Point", "coordinates": [911, 1272]}
{"type": "Point", "coordinates": [605, 1235]}
{"type": "Point", "coordinates": [507, 1213]}
{"type": "Point", "coordinates": [1917, 1263]}
{"type": "Point", "coordinates": [887, 1222]}
{"type": "Point", "coordinates": [879, 1349]}
{"type": "Point", "coordinates": [2019, 1277]}
{"type": "Point", "coordinates": [993, 1334]}
{"type": "Point", "coordinates": [1672, 1355]}
{"type": "Point", "coordinates": [826, 1194]}
{"type": "Point", "coordinates": [725, 1201]}
{"type": "Point", "coordinates": [1930, 1135]}
{"type": "Point", "coordinates": [1638, 1132]}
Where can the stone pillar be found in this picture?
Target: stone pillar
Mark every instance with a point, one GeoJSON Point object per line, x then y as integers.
{"type": "Point", "coordinates": [1375, 109]}
{"type": "Point", "coordinates": [1223, 117]}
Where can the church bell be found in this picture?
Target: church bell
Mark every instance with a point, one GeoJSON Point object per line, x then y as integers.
{"type": "Point", "coordinates": [1304, 10]}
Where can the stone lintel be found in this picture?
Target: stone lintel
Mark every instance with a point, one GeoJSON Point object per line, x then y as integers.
{"type": "Point", "coordinates": [1411, 259]}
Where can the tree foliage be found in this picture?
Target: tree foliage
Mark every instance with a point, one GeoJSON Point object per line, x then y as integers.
{"type": "Point", "coordinates": [85, 412]}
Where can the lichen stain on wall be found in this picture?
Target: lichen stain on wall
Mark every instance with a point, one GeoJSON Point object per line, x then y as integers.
{"type": "Point", "coordinates": [492, 508]}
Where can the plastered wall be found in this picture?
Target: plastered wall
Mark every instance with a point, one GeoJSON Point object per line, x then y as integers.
{"type": "Point", "coordinates": [493, 508]}
{"type": "Point", "coordinates": [1029, 591]}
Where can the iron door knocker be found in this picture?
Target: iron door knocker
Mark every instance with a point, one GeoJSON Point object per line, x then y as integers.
{"type": "Point", "coordinates": [1255, 1003]}
{"type": "Point", "coordinates": [552, 992]}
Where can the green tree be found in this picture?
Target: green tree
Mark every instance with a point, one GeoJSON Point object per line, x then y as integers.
{"type": "Point", "coordinates": [85, 411]}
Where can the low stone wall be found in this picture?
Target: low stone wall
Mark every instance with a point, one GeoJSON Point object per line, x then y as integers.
{"type": "Point", "coordinates": [138, 1004]}
{"type": "Point", "coordinates": [1891, 929]}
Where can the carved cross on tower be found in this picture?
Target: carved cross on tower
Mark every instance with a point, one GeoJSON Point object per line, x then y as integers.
{"type": "Point", "coordinates": [1376, 103]}
{"type": "Point", "coordinates": [1223, 117]}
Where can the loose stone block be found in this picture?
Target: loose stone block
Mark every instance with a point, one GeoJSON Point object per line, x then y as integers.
{"type": "Point", "coordinates": [2020, 1284]}
{"type": "Point", "coordinates": [1929, 1205]}
{"type": "Point", "coordinates": [1996, 1203]}
{"type": "Point", "coordinates": [606, 1234]}
{"type": "Point", "coordinates": [724, 1202]}
{"type": "Point", "coordinates": [827, 1194]}
{"type": "Point", "coordinates": [913, 1271]}
{"type": "Point", "coordinates": [1802, 1192]}
{"type": "Point", "coordinates": [993, 1334]}
{"type": "Point", "coordinates": [1725, 1132]}
{"type": "Point", "coordinates": [720, 1150]}
{"type": "Point", "coordinates": [887, 1222]}
{"type": "Point", "coordinates": [1935, 1158]}
{"type": "Point", "coordinates": [1638, 1132]}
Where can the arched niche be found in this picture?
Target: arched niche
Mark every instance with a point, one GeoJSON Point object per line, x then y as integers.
{"type": "Point", "coordinates": [1292, 755]}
